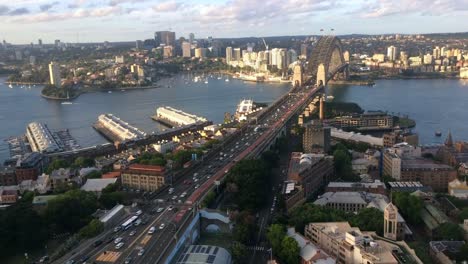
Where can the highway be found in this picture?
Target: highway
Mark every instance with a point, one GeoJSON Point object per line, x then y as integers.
{"type": "Point", "coordinates": [188, 192]}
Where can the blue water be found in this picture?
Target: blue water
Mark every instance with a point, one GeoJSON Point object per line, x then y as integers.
{"type": "Point", "coordinates": [434, 104]}
{"type": "Point", "coordinates": [20, 106]}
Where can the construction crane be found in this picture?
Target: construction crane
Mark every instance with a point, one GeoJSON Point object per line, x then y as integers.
{"type": "Point", "coordinates": [264, 43]}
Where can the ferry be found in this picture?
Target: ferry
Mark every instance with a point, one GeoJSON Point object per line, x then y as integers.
{"type": "Point", "coordinates": [227, 80]}
{"type": "Point", "coordinates": [67, 103]}
{"type": "Point", "coordinates": [330, 97]}
{"type": "Point", "coordinates": [438, 134]}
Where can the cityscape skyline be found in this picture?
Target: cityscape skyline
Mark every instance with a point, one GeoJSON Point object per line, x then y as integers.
{"type": "Point", "coordinates": [100, 21]}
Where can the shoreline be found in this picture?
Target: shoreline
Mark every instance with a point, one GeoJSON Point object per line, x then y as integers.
{"type": "Point", "coordinates": [93, 90]}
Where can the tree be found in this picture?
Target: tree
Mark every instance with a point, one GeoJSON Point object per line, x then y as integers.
{"type": "Point", "coordinates": [342, 161]}
{"type": "Point", "coordinates": [275, 235]}
{"type": "Point", "coordinates": [239, 253]}
{"type": "Point", "coordinates": [308, 213]}
{"type": "Point", "coordinates": [449, 231]}
{"type": "Point", "coordinates": [92, 229]}
{"type": "Point", "coordinates": [289, 250]}
{"type": "Point", "coordinates": [57, 164]}
{"type": "Point", "coordinates": [82, 162]}
{"type": "Point", "coordinates": [369, 219]}
{"type": "Point", "coordinates": [94, 175]}
{"type": "Point", "coordinates": [409, 206]}
{"type": "Point", "coordinates": [463, 214]}
{"type": "Point", "coordinates": [110, 199]}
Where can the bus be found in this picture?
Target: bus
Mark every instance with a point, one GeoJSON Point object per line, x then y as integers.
{"type": "Point", "coordinates": [127, 224]}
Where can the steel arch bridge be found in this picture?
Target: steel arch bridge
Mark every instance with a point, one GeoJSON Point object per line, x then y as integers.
{"type": "Point", "coordinates": [327, 60]}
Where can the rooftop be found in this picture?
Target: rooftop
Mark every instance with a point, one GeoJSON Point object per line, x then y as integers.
{"type": "Point", "coordinates": [201, 254]}
{"type": "Point", "coordinates": [96, 185]}
{"type": "Point", "coordinates": [375, 184]}
{"type": "Point", "coordinates": [422, 164]}
{"type": "Point", "coordinates": [308, 250]}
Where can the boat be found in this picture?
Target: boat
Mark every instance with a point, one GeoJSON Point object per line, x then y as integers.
{"type": "Point", "coordinates": [227, 80]}
{"type": "Point", "coordinates": [219, 77]}
{"type": "Point", "coordinates": [438, 134]}
{"type": "Point", "coordinates": [330, 97]}
{"type": "Point", "coordinates": [109, 91]}
{"type": "Point", "coordinates": [67, 103]}
{"type": "Point", "coordinates": [122, 90]}
{"type": "Point", "coordinates": [10, 86]}
{"type": "Point", "coordinates": [206, 81]}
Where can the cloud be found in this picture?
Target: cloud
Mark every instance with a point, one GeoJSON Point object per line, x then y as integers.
{"type": "Point", "coordinates": [118, 2]}
{"type": "Point", "coordinates": [168, 6]}
{"type": "Point", "coordinates": [79, 13]}
{"type": "Point", "coordinates": [382, 8]}
{"type": "Point", "coordinates": [46, 7]}
{"type": "Point", "coordinates": [18, 11]}
{"type": "Point", "coordinates": [4, 10]}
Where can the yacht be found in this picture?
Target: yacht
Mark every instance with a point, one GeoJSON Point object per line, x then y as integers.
{"type": "Point", "coordinates": [109, 91]}
{"type": "Point", "coordinates": [67, 103]}
{"type": "Point", "coordinates": [10, 86]}
{"type": "Point", "coordinates": [227, 80]}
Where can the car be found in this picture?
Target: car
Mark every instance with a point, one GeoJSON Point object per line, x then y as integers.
{"type": "Point", "coordinates": [128, 260]}
{"type": "Point", "coordinates": [117, 229]}
{"type": "Point", "coordinates": [162, 226]}
{"type": "Point", "coordinates": [132, 233]}
{"type": "Point", "coordinates": [44, 259]}
{"type": "Point", "coordinates": [137, 222]}
{"type": "Point", "coordinates": [160, 209]}
{"type": "Point", "coordinates": [119, 245]}
{"type": "Point", "coordinates": [141, 252]}
{"type": "Point", "coordinates": [171, 190]}
{"type": "Point", "coordinates": [197, 186]}
{"type": "Point", "coordinates": [70, 261]}
{"type": "Point", "coordinates": [170, 208]}
{"type": "Point", "coordinates": [174, 197]}
{"type": "Point", "coordinates": [139, 212]}
{"type": "Point", "coordinates": [97, 243]}
{"type": "Point", "coordinates": [151, 230]}
{"type": "Point", "coordinates": [118, 240]}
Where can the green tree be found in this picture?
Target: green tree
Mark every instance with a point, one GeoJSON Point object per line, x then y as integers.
{"type": "Point", "coordinates": [239, 253]}
{"type": "Point", "coordinates": [463, 214]}
{"type": "Point", "coordinates": [57, 164]}
{"type": "Point", "coordinates": [82, 162]}
{"type": "Point", "coordinates": [342, 161]}
{"type": "Point", "coordinates": [110, 199]}
{"type": "Point", "coordinates": [275, 235]}
{"type": "Point", "coordinates": [369, 219]}
{"type": "Point", "coordinates": [289, 250]}
{"type": "Point", "coordinates": [94, 228]}
{"type": "Point", "coordinates": [449, 231]}
{"type": "Point", "coordinates": [409, 205]}
{"type": "Point", "coordinates": [94, 175]}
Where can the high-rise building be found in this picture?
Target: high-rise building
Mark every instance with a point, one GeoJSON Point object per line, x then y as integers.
{"type": "Point", "coordinates": [186, 49]}
{"type": "Point", "coordinates": [228, 55]}
{"type": "Point", "coordinates": [316, 138]}
{"type": "Point", "coordinates": [54, 72]}
{"type": "Point", "coordinates": [57, 42]}
{"type": "Point", "coordinates": [427, 59]}
{"type": "Point", "coordinates": [304, 50]}
{"type": "Point", "coordinates": [165, 37]}
{"type": "Point", "coordinates": [168, 51]}
{"type": "Point", "coordinates": [39, 42]}
{"type": "Point", "coordinates": [32, 60]}
{"type": "Point", "coordinates": [200, 53]}
{"type": "Point", "coordinates": [18, 55]}
{"type": "Point", "coordinates": [436, 53]}
{"type": "Point", "coordinates": [237, 54]}
{"type": "Point", "coordinates": [139, 44]}
{"type": "Point", "coordinates": [191, 38]}
{"type": "Point", "coordinates": [392, 53]}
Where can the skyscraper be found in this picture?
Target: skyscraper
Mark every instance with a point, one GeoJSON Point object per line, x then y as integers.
{"type": "Point", "coordinates": [54, 72]}
{"type": "Point", "coordinates": [237, 54]}
{"type": "Point", "coordinates": [191, 38]}
{"type": "Point", "coordinates": [228, 55]}
{"type": "Point", "coordinates": [39, 42]}
{"type": "Point", "coordinates": [138, 44]}
{"type": "Point", "coordinates": [165, 37]}
{"type": "Point", "coordinates": [186, 49]}
{"type": "Point", "coordinates": [392, 53]}
{"type": "Point", "coordinates": [436, 53]}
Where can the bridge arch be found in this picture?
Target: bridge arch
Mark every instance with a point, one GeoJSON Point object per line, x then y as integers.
{"type": "Point", "coordinates": [327, 60]}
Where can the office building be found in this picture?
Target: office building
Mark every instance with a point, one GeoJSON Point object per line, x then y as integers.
{"type": "Point", "coordinates": [54, 72]}
{"type": "Point", "coordinates": [200, 53]}
{"type": "Point", "coordinates": [165, 37]}
{"type": "Point", "coordinates": [168, 52]}
{"type": "Point", "coordinates": [186, 49]}
{"type": "Point", "coordinates": [57, 43]}
{"type": "Point", "coordinates": [395, 137]}
{"type": "Point", "coordinates": [392, 53]}
{"type": "Point", "coordinates": [228, 55]}
{"type": "Point", "coordinates": [309, 253]}
{"type": "Point", "coordinates": [350, 245]}
{"type": "Point", "coordinates": [237, 54]}
{"type": "Point", "coordinates": [138, 44]}
{"type": "Point", "coordinates": [18, 55]}
{"type": "Point", "coordinates": [376, 187]}
{"type": "Point", "coordinates": [144, 177]}
{"type": "Point", "coordinates": [191, 38]}
{"type": "Point", "coordinates": [32, 60]}
{"type": "Point", "coordinates": [30, 166]}
{"type": "Point", "coordinates": [367, 121]}
{"type": "Point", "coordinates": [39, 43]}
{"type": "Point", "coordinates": [404, 163]}
{"type": "Point", "coordinates": [311, 171]}
{"type": "Point", "coordinates": [316, 138]}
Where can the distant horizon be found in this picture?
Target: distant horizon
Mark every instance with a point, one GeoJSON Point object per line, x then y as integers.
{"type": "Point", "coordinates": [87, 21]}
{"type": "Point", "coordinates": [241, 37]}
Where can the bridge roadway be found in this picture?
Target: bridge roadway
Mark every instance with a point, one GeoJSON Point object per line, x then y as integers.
{"type": "Point", "coordinates": [213, 168]}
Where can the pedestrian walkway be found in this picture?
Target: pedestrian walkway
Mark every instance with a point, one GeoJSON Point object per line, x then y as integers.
{"type": "Point", "coordinates": [108, 256]}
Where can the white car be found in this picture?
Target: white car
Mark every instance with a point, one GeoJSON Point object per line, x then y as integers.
{"type": "Point", "coordinates": [119, 245]}
{"type": "Point", "coordinates": [197, 186]}
{"type": "Point", "coordinates": [139, 212]}
{"type": "Point", "coordinates": [174, 197]}
{"type": "Point", "coordinates": [162, 226]}
{"type": "Point", "coordinates": [141, 252]}
{"type": "Point", "coordinates": [151, 230]}
{"type": "Point", "coordinates": [160, 209]}
{"type": "Point", "coordinates": [170, 208]}
{"type": "Point", "coordinates": [132, 233]}
{"type": "Point", "coordinates": [118, 240]}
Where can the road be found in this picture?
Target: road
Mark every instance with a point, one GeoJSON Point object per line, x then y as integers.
{"type": "Point", "coordinates": [188, 192]}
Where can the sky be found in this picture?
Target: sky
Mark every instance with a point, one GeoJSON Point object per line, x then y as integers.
{"type": "Point", "coordinates": [25, 21]}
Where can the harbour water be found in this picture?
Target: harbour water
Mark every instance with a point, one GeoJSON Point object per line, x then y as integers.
{"type": "Point", "coordinates": [435, 105]}
{"type": "Point", "coordinates": [20, 106]}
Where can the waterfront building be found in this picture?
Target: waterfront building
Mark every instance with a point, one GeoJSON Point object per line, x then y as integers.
{"type": "Point", "coordinates": [186, 50]}
{"type": "Point", "coordinates": [311, 171]}
{"type": "Point", "coordinates": [41, 139]}
{"type": "Point", "coordinates": [236, 54]}
{"type": "Point", "coordinates": [30, 166]}
{"type": "Point", "coordinates": [177, 117]}
{"type": "Point", "coordinates": [228, 55]}
{"type": "Point", "coordinates": [349, 244]}
{"type": "Point", "coordinates": [392, 138]}
{"type": "Point", "coordinates": [404, 163]}
{"type": "Point", "coordinates": [436, 53]}
{"type": "Point", "coordinates": [367, 121]}
{"type": "Point", "coordinates": [200, 53]}
{"type": "Point", "coordinates": [379, 57]}
{"type": "Point", "coordinates": [392, 53]}
{"type": "Point", "coordinates": [164, 146]}
{"type": "Point", "coordinates": [54, 72]}
{"type": "Point", "coordinates": [464, 72]}
{"type": "Point", "coordinates": [144, 177]}
{"type": "Point", "coordinates": [427, 59]}
{"type": "Point", "coordinates": [452, 153]}
{"type": "Point", "coordinates": [316, 138]}
{"type": "Point", "coordinates": [309, 252]}
{"type": "Point", "coordinates": [117, 129]}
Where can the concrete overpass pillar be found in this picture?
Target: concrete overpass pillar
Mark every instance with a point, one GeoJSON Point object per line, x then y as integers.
{"type": "Point", "coordinates": [321, 75]}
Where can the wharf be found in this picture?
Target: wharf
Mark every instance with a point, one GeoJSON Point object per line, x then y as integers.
{"type": "Point", "coordinates": [106, 132]}
{"type": "Point", "coordinates": [18, 146]}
